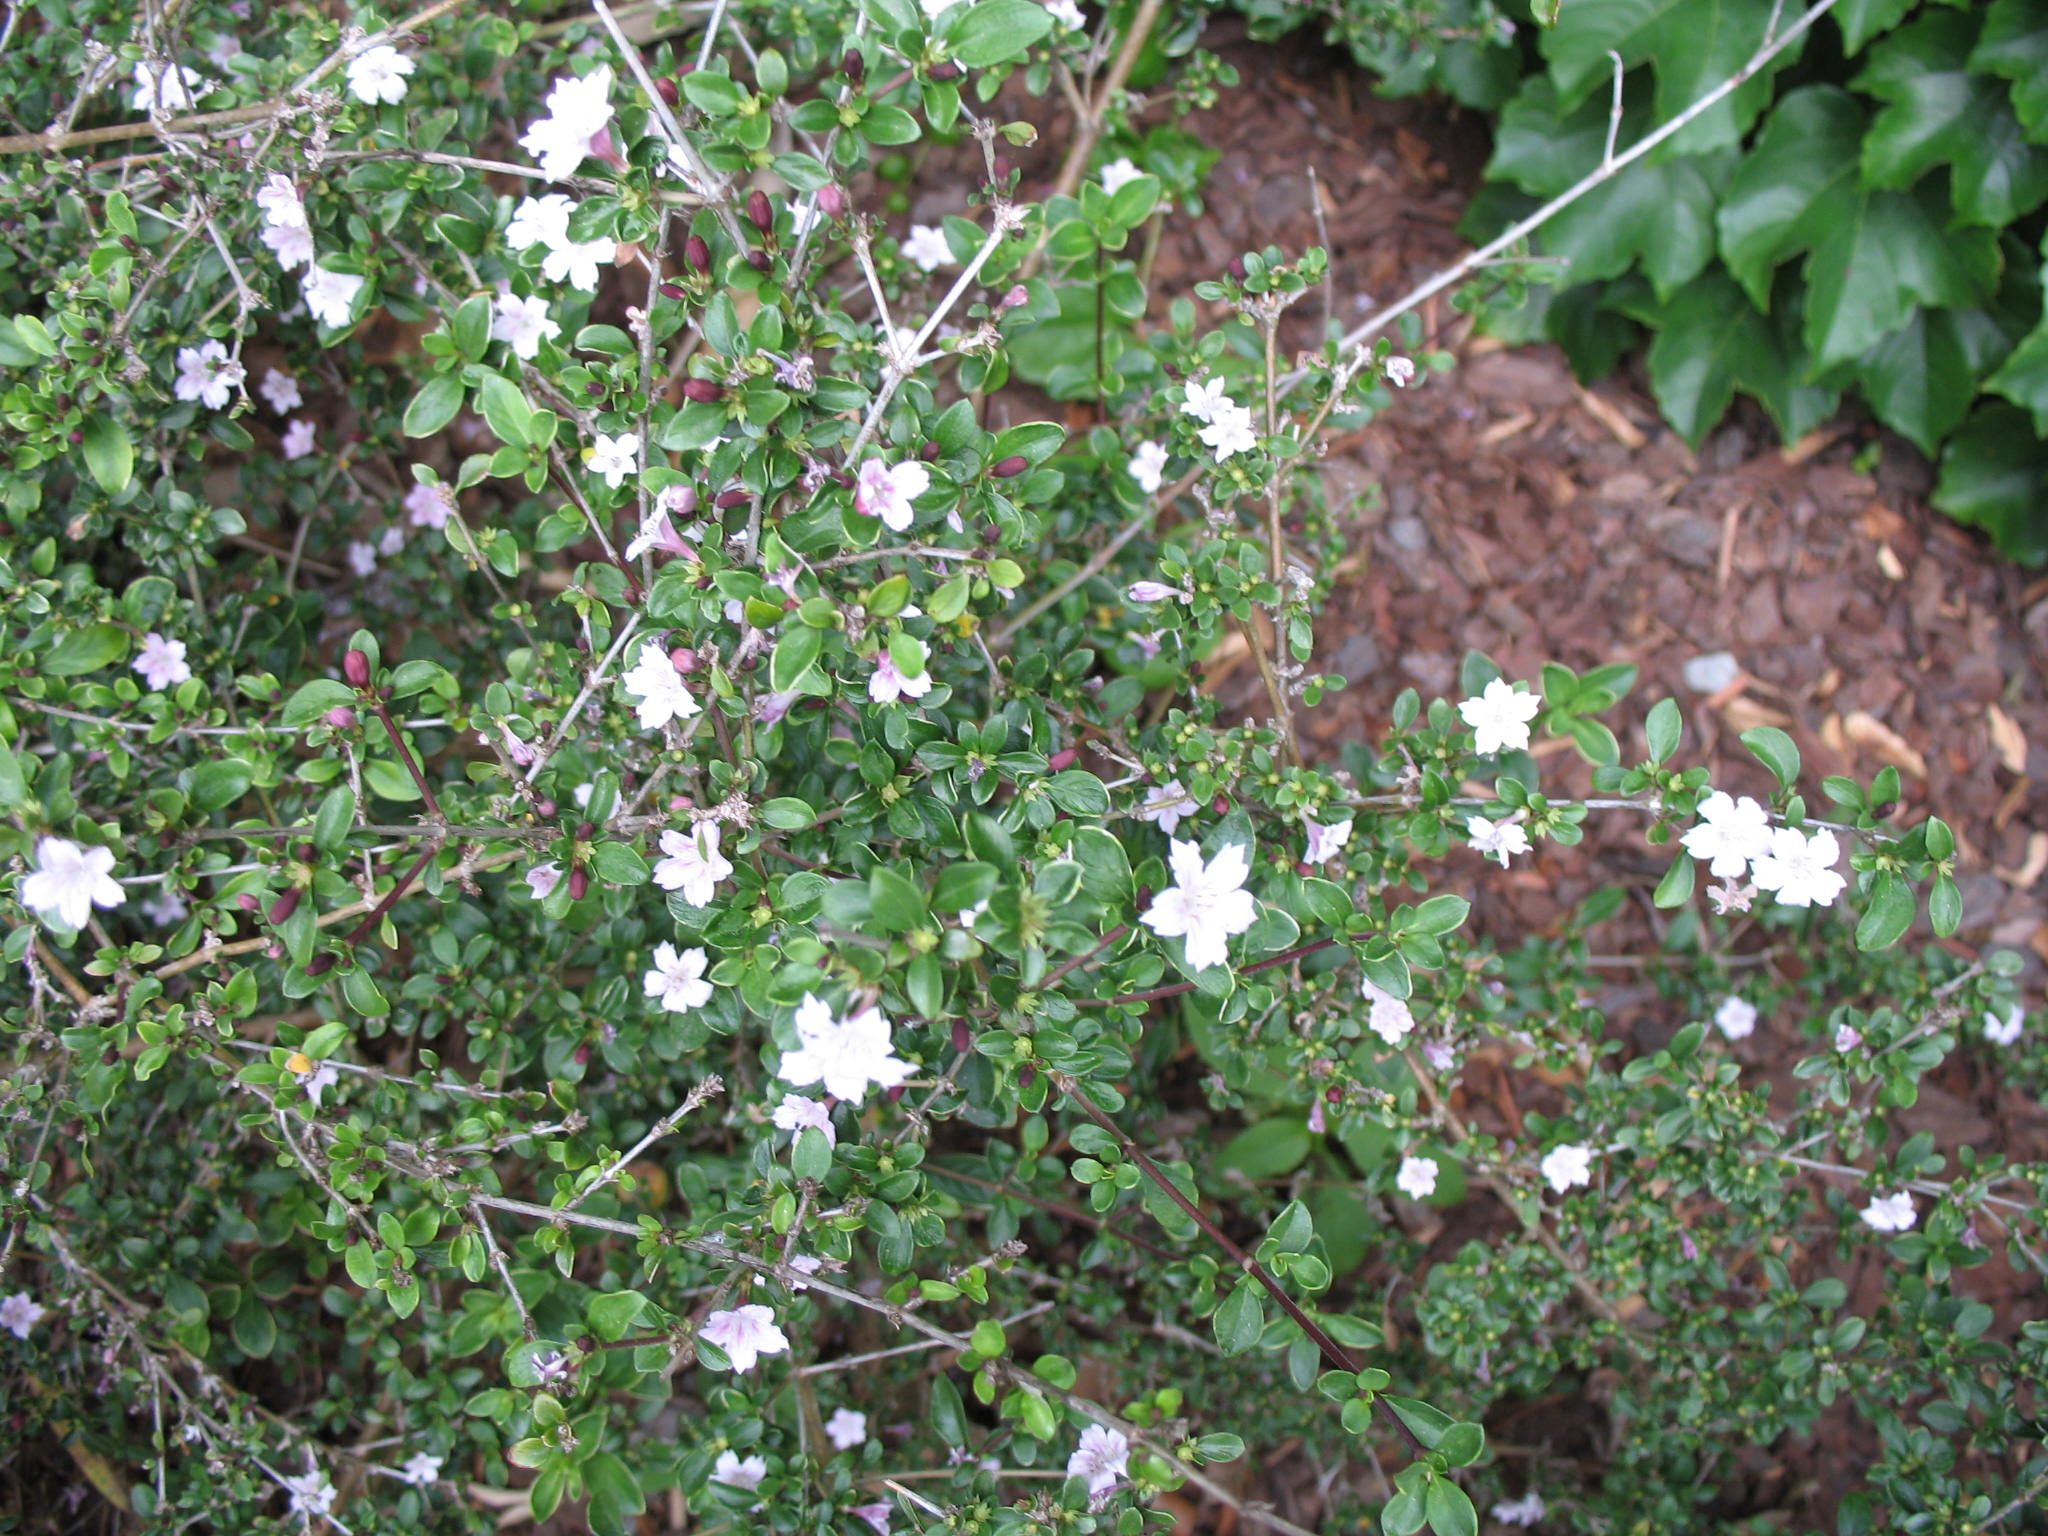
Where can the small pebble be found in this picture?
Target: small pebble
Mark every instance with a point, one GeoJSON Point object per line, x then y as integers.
{"type": "Point", "coordinates": [1712, 672]}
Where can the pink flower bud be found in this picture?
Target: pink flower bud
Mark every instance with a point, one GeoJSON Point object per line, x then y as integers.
{"type": "Point", "coordinates": [674, 291]}
{"type": "Point", "coordinates": [683, 659]}
{"type": "Point", "coordinates": [1017, 295]}
{"type": "Point", "coordinates": [703, 391]}
{"type": "Point", "coordinates": [579, 883]}
{"type": "Point", "coordinates": [284, 906]}
{"type": "Point", "coordinates": [545, 807]}
{"type": "Point", "coordinates": [697, 254]}
{"type": "Point", "coordinates": [732, 498]}
{"type": "Point", "coordinates": [341, 717]}
{"type": "Point", "coordinates": [247, 902]}
{"type": "Point", "coordinates": [1010, 468]}
{"type": "Point", "coordinates": [582, 1055]}
{"type": "Point", "coordinates": [585, 831]}
{"type": "Point", "coordinates": [760, 212]}
{"type": "Point", "coordinates": [760, 261]}
{"type": "Point", "coordinates": [680, 802]}
{"type": "Point", "coordinates": [929, 453]}
{"type": "Point", "coordinates": [853, 66]}
{"type": "Point", "coordinates": [1220, 805]}
{"type": "Point", "coordinates": [669, 91]}
{"type": "Point", "coordinates": [832, 201]}
{"type": "Point", "coordinates": [1064, 759]}
{"type": "Point", "coordinates": [355, 666]}
{"type": "Point", "coordinates": [963, 1037]}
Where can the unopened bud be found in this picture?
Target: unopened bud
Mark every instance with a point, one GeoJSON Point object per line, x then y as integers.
{"type": "Point", "coordinates": [832, 201]}
{"type": "Point", "coordinates": [582, 1055]}
{"type": "Point", "coordinates": [853, 66]}
{"type": "Point", "coordinates": [1010, 468]}
{"type": "Point", "coordinates": [585, 831]}
{"type": "Point", "coordinates": [1017, 295]}
{"type": "Point", "coordinates": [1144, 896]}
{"type": "Point", "coordinates": [341, 717]}
{"type": "Point", "coordinates": [946, 71]}
{"type": "Point", "coordinates": [284, 906]}
{"type": "Point", "coordinates": [1064, 759]}
{"type": "Point", "coordinates": [963, 1037]}
{"type": "Point", "coordinates": [1220, 805]}
{"type": "Point", "coordinates": [579, 884]}
{"type": "Point", "coordinates": [545, 807]}
{"type": "Point", "coordinates": [760, 212]}
{"type": "Point", "coordinates": [703, 391]}
{"type": "Point", "coordinates": [697, 254]}
{"type": "Point", "coordinates": [760, 261]}
{"type": "Point", "coordinates": [683, 659]}
{"type": "Point", "coordinates": [674, 291]}
{"type": "Point", "coordinates": [732, 498]}
{"type": "Point", "coordinates": [247, 902]}
{"type": "Point", "coordinates": [669, 91]}
{"type": "Point", "coordinates": [929, 453]}
{"type": "Point", "coordinates": [1236, 268]}
{"type": "Point", "coordinates": [355, 666]}
{"type": "Point", "coordinates": [320, 965]}
{"type": "Point", "coordinates": [307, 853]}
{"type": "Point", "coordinates": [1027, 1077]}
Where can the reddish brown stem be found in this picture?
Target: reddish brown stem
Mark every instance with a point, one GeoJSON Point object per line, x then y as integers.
{"type": "Point", "coordinates": [405, 756]}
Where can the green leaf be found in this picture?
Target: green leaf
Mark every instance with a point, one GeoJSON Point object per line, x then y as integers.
{"type": "Point", "coordinates": [1675, 889]}
{"type": "Point", "coordinates": [1404, 1514]}
{"type": "Point", "coordinates": [505, 409]}
{"type": "Point", "coordinates": [899, 905]}
{"type": "Point", "coordinates": [2014, 45]}
{"type": "Point", "coordinates": [1078, 792]}
{"type": "Point", "coordinates": [1939, 111]}
{"type": "Point", "coordinates": [1887, 913]}
{"type": "Point", "coordinates": [1921, 381]}
{"type": "Point", "coordinates": [1449, 1508]}
{"type": "Point", "coordinates": [1692, 45]}
{"type": "Point", "coordinates": [312, 701]}
{"type": "Point", "coordinates": [254, 1329]}
{"type": "Point", "coordinates": [613, 1315]}
{"type": "Point", "coordinates": [85, 650]}
{"type": "Point", "coordinates": [35, 335]}
{"type": "Point", "coordinates": [1872, 255]}
{"type": "Point", "coordinates": [796, 647]}
{"type": "Point", "coordinates": [1663, 727]}
{"type": "Point", "coordinates": [1861, 20]}
{"type": "Point", "coordinates": [220, 783]}
{"type": "Point", "coordinates": [108, 454]}
{"type": "Point", "coordinates": [1994, 476]}
{"type": "Point", "coordinates": [1428, 1424]}
{"type": "Point", "coordinates": [434, 406]}
{"type": "Point", "coordinates": [712, 93]}
{"type": "Point", "coordinates": [1241, 1318]}
{"type": "Point", "coordinates": [995, 31]}
{"type": "Point", "coordinates": [1267, 1150]}
{"type": "Point", "coordinates": [1945, 906]}
{"type": "Point", "coordinates": [2023, 378]}
{"type": "Point", "coordinates": [1777, 752]}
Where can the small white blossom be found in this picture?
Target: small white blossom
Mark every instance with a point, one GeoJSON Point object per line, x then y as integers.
{"type": "Point", "coordinates": [1390, 1017]}
{"type": "Point", "coordinates": [1731, 833]}
{"type": "Point", "coordinates": [1115, 175]}
{"type": "Point", "coordinates": [1736, 1017]}
{"type": "Point", "coordinates": [291, 244]}
{"type": "Point", "coordinates": [1102, 1458]}
{"type": "Point", "coordinates": [378, 74]}
{"type": "Point", "coordinates": [846, 1428]}
{"type": "Point", "coordinates": [1500, 716]}
{"type": "Point", "coordinates": [543, 878]}
{"type": "Point", "coordinates": [887, 490]}
{"type": "Point", "coordinates": [797, 1114]}
{"type": "Point", "coordinates": [362, 557]}
{"type": "Point", "coordinates": [576, 263]}
{"type": "Point", "coordinates": [1567, 1166]}
{"type": "Point", "coordinates": [1068, 15]}
{"type": "Point", "coordinates": [524, 323]}
{"type": "Point", "coordinates": [1800, 871]}
{"type": "Point", "coordinates": [1229, 432]}
{"type": "Point", "coordinates": [311, 1494]}
{"type": "Point", "coordinates": [1496, 839]}
{"type": "Point", "coordinates": [876, 1515]}
{"type": "Point", "coordinates": [392, 539]}
{"type": "Point", "coordinates": [927, 247]}
{"type": "Point", "coordinates": [540, 221]}
{"type": "Point", "coordinates": [165, 907]}
{"type": "Point", "coordinates": [21, 1312]}
{"type": "Point", "coordinates": [803, 1264]}
{"type": "Point", "coordinates": [298, 439]}
{"type": "Point", "coordinates": [1206, 903]}
{"type": "Point", "coordinates": [280, 391]}
{"type": "Point", "coordinates": [1400, 372]}
{"type": "Point", "coordinates": [1203, 399]}
{"type": "Point", "coordinates": [421, 1470]}
{"type": "Point", "coordinates": [1847, 1037]}
{"type": "Point", "coordinates": [660, 688]}
{"type": "Point", "coordinates": [207, 374]}
{"type": "Point", "coordinates": [2004, 1031]}
{"type": "Point", "coordinates": [331, 296]}
{"type": "Point", "coordinates": [1147, 466]}
{"type": "Point", "coordinates": [1526, 1510]}
{"type": "Point", "coordinates": [1891, 1213]}
{"type": "Point", "coordinates": [578, 111]}
{"type": "Point", "coordinates": [846, 1055]}
{"type": "Point", "coordinates": [161, 662]}
{"type": "Point", "coordinates": [69, 881]}
{"type": "Point", "coordinates": [615, 457]}
{"type": "Point", "coordinates": [694, 865]}
{"type": "Point", "coordinates": [1729, 897]}
{"type": "Point", "coordinates": [735, 1473]}
{"type": "Point", "coordinates": [318, 1080]}
{"type": "Point", "coordinates": [173, 89]}
{"type": "Point", "coordinates": [279, 199]}
{"type": "Point", "coordinates": [678, 979]}
{"type": "Point", "coordinates": [1417, 1178]}
{"type": "Point", "coordinates": [1166, 806]}
{"type": "Point", "coordinates": [1156, 592]}
{"type": "Point", "coordinates": [427, 504]}
{"type": "Point", "coordinates": [890, 683]}
{"type": "Point", "coordinates": [1325, 839]}
{"type": "Point", "coordinates": [745, 1334]}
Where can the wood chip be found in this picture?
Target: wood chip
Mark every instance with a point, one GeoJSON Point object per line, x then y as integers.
{"type": "Point", "coordinates": [1731, 525]}
{"type": "Point", "coordinates": [1743, 714]}
{"type": "Point", "coordinates": [1889, 563]}
{"type": "Point", "coordinates": [1626, 432]}
{"type": "Point", "coordinates": [1809, 445]}
{"type": "Point", "coordinates": [1863, 730]}
{"type": "Point", "coordinates": [1501, 431]}
{"type": "Point", "coordinates": [2007, 738]}
{"type": "Point", "coordinates": [2036, 862]}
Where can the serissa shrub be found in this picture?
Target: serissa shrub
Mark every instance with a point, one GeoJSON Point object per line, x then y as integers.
{"type": "Point", "coordinates": [613, 864]}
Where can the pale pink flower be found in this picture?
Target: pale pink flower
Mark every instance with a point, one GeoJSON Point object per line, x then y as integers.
{"type": "Point", "coordinates": [207, 374]}
{"type": "Point", "coordinates": [362, 557]}
{"type": "Point", "coordinates": [161, 662]}
{"type": "Point", "coordinates": [1102, 1458]}
{"type": "Point", "coordinates": [1400, 372]}
{"type": "Point", "coordinates": [69, 881]}
{"type": "Point", "coordinates": [1325, 839]}
{"type": "Point", "coordinates": [797, 1114]}
{"type": "Point", "coordinates": [1156, 592]}
{"type": "Point", "coordinates": [1736, 1017]}
{"type": "Point", "coordinates": [886, 491]}
{"type": "Point", "coordinates": [20, 1312]}
{"type": "Point", "coordinates": [291, 244]}
{"type": "Point", "coordinates": [694, 865]}
{"type": "Point", "coordinates": [428, 503]}
{"type": "Point", "coordinates": [280, 391]}
{"type": "Point", "coordinates": [1389, 1017]}
{"type": "Point", "coordinates": [1166, 806]}
{"type": "Point", "coordinates": [543, 878]}
{"type": "Point", "coordinates": [889, 683]}
{"type": "Point", "coordinates": [524, 323]}
{"type": "Point", "coordinates": [298, 438]}
{"type": "Point", "coordinates": [846, 1428]}
{"type": "Point", "coordinates": [745, 1334]}
{"type": "Point", "coordinates": [736, 1473]}
{"type": "Point", "coordinates": [331, 296]}
{"type": "Point", "coordinates": [1206, 903]}
{"type": "Point", "coordinates": [280, 201]}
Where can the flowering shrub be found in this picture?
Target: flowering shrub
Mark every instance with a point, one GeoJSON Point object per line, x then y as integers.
{"type": "Point", "coordinates": [626, 909]}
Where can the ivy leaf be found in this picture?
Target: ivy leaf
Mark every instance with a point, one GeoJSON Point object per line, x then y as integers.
{"type": "Point", "coordinates": [1861, 20]}
{"type": "Point", "coordinates": [1693, 46]}
{"type": "Point", "coordinates": [1872, 255]}
{"type": "Point", "coordinates": [2014, 45]}
{"type": "Point", "coordinates": [1543, 148]}
{"type": "Point", "coordinates": [1994, 476]}
{"type": "Point", "coordinates": [1920, 382]}
{"type": "Point", "coordinates": [1939, 112]}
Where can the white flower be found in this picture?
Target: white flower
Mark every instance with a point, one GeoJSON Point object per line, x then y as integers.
{"type": "Point", "coordinates": [540, 221]}
{"type": "Point", "coordinates": [2006, 1030]}
{"type": "Point", "coordinates": [1148, 467]}
{"type": "Point", "coordinates": [1325, 840]}
{"type": "Point", "coordinates": [657, 532]}
{"type": "Point", "coordinates": [70, 881]}
{"type": "Point", "coordinates": [1203, 400]}
{"type": "Point", "coordinates": [578, 111]}
{"type": "Point", "coordinates": [1496, 839]}
{"type": "Point", "coordinates": [1230, 432]}
{"type": "Point", "coordinates": [1731, 833]}
{"type": "Point", "coordinates": [392, 539]}
{"type": "Point", "coordinates": [171, 90]}
{"type": "Point", "coordinates": [1563, 1167]}
{"type": "Point", "coordinates": [889, 683]}
{"type": "Point", "coordinates": [876, 1515]}
{"type": "Point", "coordinates": [292, 244]}
{"type": "Point", "coordinates": [207, 374]}
{"type": "Point", "coordinates": [846, 1428]}
{"type": "Point", "coordinates": [524, 323]}
{"type": "Point", "coordinates": [887, 490]}
{"type": "Point", "coordinates": [165, 907]}
{"type": "Point", "coordinates": [379, 75]}
{"type": "Point", "coordinates": [1206, 904]}
{"type": "Point", "coordinates": [427, 504]}
{"type": "Point", "coordinates": [297, 441]}
{"type": "Point", "coordinates": [1400, 372]}
{"type": "Point", "coordinates": [1500, 717]}
{"type": "Point", "coordinates": [1117, 173]}
{"type": "Point", "coordinates": [279, 199]}
{"type": "Point", "coordinates": [312, 1495]}
{"type": "Point", "coordinates": [1102, 1457]}
{"type": "Point", "coordinates": [1847, 1037]}
{"type": "Point", "coordinates": [735, 1473]}
{"type": "Point", "coordinates": [1390, 1018]}
{"type": "Point", "coordinates": [1892, 1213]}
{"type": "Point", "coordinates": [161, 662]}
{"type": "Point", "coordinates": [318, 1080]}
{"type": "Point", "coordinates": [1736, 1017]}
{"type": "Point", "coordinates": [420, 1469]}
{"type": "Point", "coordinates": [281, 390]}
{"type": "Point", "coordinates": [1417, 1178]}
{"type": "Point", "coordinates": [694, 865]}
{"type": "Point", "coordinates": [577, 262]}
{"type": "Point", "coordinates": [331, 296]}
{"type": "Point", "coordinates": [1156, 592]}
{"type": "Point", "coordinates": [362, 557]}
{"type": "Point", "coordinates": [1068, 15]}
{"type": "Point", "coordinates": [21, 1312]}
{"type": "Point", "coordinates": [1526, 1510]}
{"type": "Point", "coordinates": [678, 979]}
{"type": "Point", "coordinates": [797, 1114]}
{"type": "Point", "coordinates": [745, 1334]}
{"type": "Point", "coordinates": [927, 247]}
{"type": "Point", "coordinates": [543, 878]}
{"type": "Point", "coordinates": [1729, 897]}
{"type": "Point", "coordinates": [660, 688]}
{"type": "Point", "coordinates": [846, 1055]}
{"type": "Point", "coordinates": [615, 457]}
{"type": "Point", "coordinates": [1166, 806]}
{"type": "Point", "coordinates": [1799, 870]}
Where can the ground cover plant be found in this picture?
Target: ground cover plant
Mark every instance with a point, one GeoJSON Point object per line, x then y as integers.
{"type": "Point", "coordinates": [625, 906]}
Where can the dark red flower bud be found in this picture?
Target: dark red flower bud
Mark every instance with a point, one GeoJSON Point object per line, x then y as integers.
{"type": "Point", "coordinates": [582, 1055]}
{"type": "Point", "coordinates": [760, 261]}
{"type": "Point", "coordinates": [320, 965]}
{"type": "Point", "coordinates": [895, 1095]}
{"type": "Point", "coordinates": [1027, 1077]}
{"type": "Point", "coordinates": [760, 212]}
{"type": "Point", "coordinates": [1064, 759]}
{"type": "Point", "coordinates": [1010, 468]}
{"type": "Point", "coordinates": [307, 853]}
{"type": "Point", "coordinates": [963, 1037]}
{"type": "Point", "coordinates": [341, 717]}
{"type": "Point", "coordinates": [355, 666]}
{"type": "Point", "coordinates": [853, 66]}
{"type": "Point", "coordinates": [1144, 896]}
{"type": "Point", "coordinates": [77, 436]}
{"type": "Point", "coordinates": [929, 453]}
{"type": "Point", "coordinates": [579, 884]}
{"type": "Point", "coordinates": [284, 906]}
{"type": "Point", "coordinates": [247, 902]}
{"type": "Point", "coordinates": [1001, 166]}
{"type": "Point", "coordinates": [697, 254]}
{"type": "Point", "coordinates": [946, 71]}
{"type": "Point", "coordinates": [674, 291]}
{"type": "Point", "coordinates": [593, 389]}
{"type": "Point", "coordinates": [1236, 266]}
{"type": "Point", "coordinates": [832, 201]}
{"type": "Point", "coordinates": [669, 91]}
{"type": "Point", "coordinates": [732, 498]}
{"type": "Point", "coordinates": [703, 391]}
{"type": "Point", "coordinates": [585, 831]}
{"type": "Point", "coordinates": [1334, 1095]}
